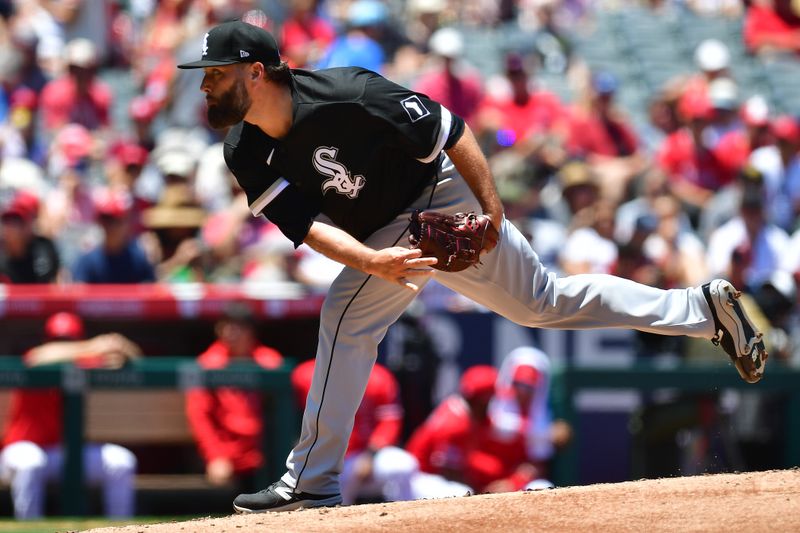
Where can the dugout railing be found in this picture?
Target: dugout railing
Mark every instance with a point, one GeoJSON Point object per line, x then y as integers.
{"type": "Point", "coordinates": [182, 373]}
{"type": "Point", "coordinates": [647, 376]}
{"type": "Point", "coordinates": [151, 373]}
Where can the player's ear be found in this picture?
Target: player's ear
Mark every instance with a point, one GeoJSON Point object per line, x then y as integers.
{"type": "Point", "coordinates": [256, 71]}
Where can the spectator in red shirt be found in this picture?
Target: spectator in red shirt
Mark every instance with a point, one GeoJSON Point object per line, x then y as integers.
{"type": "Point", "coordinates": [32, 452]}
{"type": "Point", "coordinates": [601, 135]}
{"type": "Point", "coordinates": [694, 170]}
{"type": "Point", "coordinates": [378, 423]}
{"type": "Point", "coordinates": [123, 166]}
{"type": "Point", "coordinates": [78, 96]}
{"type": "Point", "coordinates": [304, 34]}
{"type": "Point", "coordinates": [227, 422]}
{"type": "Point", "coordinates": [735, 146]}
{"type": "Point", "coordinates": [452, 82]}
{"type": "Point", "coordinates": [772, 26]}
{"type": "Point", "coordinates": [142, 111]}
{"type": "Point", "coordinates": [713, 60]}
{"type": "Point", "coordinates": [517, 114]}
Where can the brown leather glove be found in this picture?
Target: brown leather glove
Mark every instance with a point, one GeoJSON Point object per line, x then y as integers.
{"type": "Point", "coordinates": [455, 240]}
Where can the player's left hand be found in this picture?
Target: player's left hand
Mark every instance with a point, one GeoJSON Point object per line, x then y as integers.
{"type": "Point", "coordinates": [398, 264]}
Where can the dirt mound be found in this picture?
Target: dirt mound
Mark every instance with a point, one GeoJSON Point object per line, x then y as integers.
{"type": "Point", "coordinates": [749, 502]}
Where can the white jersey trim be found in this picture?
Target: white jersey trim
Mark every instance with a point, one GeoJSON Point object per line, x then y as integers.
{"type": "Point", "coordinates": [267, 196]}
{"type": "Point", "coordinates": [444, 133]}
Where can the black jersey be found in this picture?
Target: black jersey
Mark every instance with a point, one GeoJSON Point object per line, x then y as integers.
{"type": "Point", "coordinates": [359, 151]}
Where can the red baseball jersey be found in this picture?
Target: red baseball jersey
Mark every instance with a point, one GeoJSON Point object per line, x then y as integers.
{"type": "Point", "coordinates": [34, 415]}
{"type": "Point", "coordinates": [452, 444]}
{"type": "Point", "coordinates": [379, 418]}
{"type": "Point", "coordinates": [227, 422]}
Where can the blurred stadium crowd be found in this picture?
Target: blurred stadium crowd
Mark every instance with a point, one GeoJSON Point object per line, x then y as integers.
{"type": "Point", "coordinates": [655, 141]}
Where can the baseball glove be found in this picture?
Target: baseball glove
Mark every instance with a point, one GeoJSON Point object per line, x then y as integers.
{"type": "Point", "coordinates": [455, 240]}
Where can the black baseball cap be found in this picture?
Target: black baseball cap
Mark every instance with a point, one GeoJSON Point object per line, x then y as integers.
{"type": "Point", "coordinates": [237, 42]}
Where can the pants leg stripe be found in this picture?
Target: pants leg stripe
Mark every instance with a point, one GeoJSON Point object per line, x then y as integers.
{"type": "Point", "coordinates": [333, 345]}
{"type": "Point", "coordinates": [328, 371]}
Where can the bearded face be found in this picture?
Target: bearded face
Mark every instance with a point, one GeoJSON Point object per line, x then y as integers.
{"type": "Point", "coordinates": [230, 107]}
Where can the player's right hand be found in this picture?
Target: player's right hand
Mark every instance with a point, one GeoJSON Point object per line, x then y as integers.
{"type": "Point", "coordinates": [219, 471]}
{"type": "Point", "coordinates": [113, 350]}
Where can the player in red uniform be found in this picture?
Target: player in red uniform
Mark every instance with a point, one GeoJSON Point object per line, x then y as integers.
{"type": "Point", "coordinates": [227, 422]}
{"type": "Point", "coordinates": [32, 452]}
{"type": "Point", "coordinates": [378, 424]}
{"type": "Point", "coordinates": [520, 407]}
{"type": "Point", "coordinates": [460, 442]}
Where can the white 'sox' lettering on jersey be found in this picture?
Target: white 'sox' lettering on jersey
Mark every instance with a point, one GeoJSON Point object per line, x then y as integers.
{"type": "Point", "coordinates": [340, 178]}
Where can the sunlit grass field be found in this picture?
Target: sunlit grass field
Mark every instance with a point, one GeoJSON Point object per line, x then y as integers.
{"type": "Point", "coordinates": [67, 524]}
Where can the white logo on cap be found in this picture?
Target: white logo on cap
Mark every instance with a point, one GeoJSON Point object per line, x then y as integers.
{"type": "Point", "coordinates": [205, 45]}
{"type": "Point", "coordinates": [242, 53]}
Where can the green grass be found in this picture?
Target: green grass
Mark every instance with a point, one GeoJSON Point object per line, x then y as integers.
{"type": "Point", "coordinates": [64, 524]}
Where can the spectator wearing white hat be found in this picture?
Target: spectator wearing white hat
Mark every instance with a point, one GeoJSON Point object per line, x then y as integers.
{"type": "Point", "coordinates": [712, 60]}
{"type": "Point", "coordinates": [78, 96]}
{"type": "Point", "coordinates": [694, 170]}
{"type": "Point", "coordinates": [450, 80]}
{"type": "Point", "coordinates": [723, 94]}
{"type": "Point", "coordinates": [734, 132]}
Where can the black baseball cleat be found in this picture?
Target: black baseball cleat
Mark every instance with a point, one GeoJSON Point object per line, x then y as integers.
{"type": "Point", "coordinates": [281, 497]}
{"type": "Point", "coordinates": [735, 331]}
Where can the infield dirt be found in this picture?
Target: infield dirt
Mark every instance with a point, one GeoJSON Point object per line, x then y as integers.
{"type": "Point", "coordinates": [746, 502]}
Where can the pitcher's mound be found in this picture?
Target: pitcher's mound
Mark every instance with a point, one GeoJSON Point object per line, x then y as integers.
{"type": "Point", "coordinates": [749, 502]}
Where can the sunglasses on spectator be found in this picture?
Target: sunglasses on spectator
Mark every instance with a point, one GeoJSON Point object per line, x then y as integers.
{"type": "Point", "coordinates": [523, 386]}
{"type": "Point", "coordinates": [12, 220]}
{"type": "Point", "coordinates": [110, 220]}
{"type": "Point", "coordinates": [75, 69]}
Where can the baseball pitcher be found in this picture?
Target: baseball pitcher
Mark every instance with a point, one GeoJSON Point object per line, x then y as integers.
{"type": "Point", "coordinates": [365, 154]}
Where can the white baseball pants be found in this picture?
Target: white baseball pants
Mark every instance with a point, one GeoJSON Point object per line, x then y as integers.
{"type": "Point", "coordinates": [510, 281]}
{"type": "Point", "coordinates": [28, 468]}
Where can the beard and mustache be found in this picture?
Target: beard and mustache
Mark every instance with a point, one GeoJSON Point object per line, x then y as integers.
{"type": "Point", "coordinates": [230, 108]}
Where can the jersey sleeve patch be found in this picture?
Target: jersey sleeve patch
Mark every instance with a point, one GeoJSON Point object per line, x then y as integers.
{"type": "Point", "coordinates": [414, 107]}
